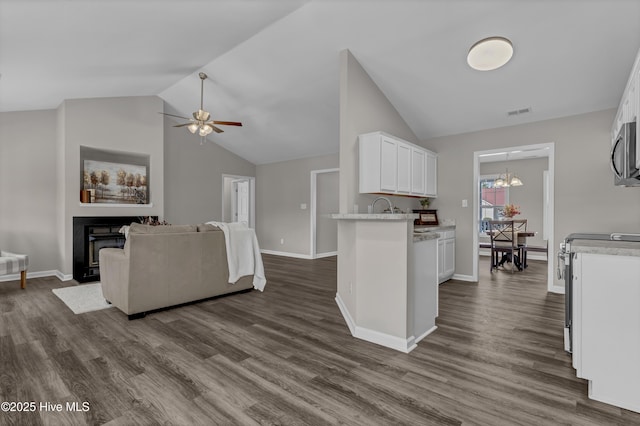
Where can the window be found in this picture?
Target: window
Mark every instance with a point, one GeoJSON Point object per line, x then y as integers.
{"type": "Point", "coordinates": [492, 201]}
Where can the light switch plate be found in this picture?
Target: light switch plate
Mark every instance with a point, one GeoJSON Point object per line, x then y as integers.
{"type": "Point", "coordinates": [465, 203]}
{"type": "Point", "coordinates": [303, 206]}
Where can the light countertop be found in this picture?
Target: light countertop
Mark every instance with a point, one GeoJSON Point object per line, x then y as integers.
{"type": "Point", "coordinates": [616, 248]}
{"type": "Point", "coordinates": [374, 216]}
{"type": "Point", "coordinates": [425, 236]}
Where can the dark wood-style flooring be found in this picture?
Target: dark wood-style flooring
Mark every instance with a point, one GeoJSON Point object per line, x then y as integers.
{"type": "Point", "coordinates": [285, 356]}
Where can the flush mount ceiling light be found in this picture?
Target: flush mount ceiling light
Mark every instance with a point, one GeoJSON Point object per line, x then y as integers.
{"type": "Point", "coordinates": [490, 53]}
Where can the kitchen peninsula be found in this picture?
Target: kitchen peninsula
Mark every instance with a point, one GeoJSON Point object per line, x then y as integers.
{"type": "Point", "coordinates": [387, 279]}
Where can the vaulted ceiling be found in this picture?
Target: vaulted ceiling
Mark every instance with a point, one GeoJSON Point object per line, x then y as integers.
{"type": "Point", "coordinates": [274, 64]}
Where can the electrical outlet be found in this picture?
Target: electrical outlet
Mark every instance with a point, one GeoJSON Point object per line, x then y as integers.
{"type": "Point", "coordinates": [350, 287]}
{"type": "Point", "coordinates": [281, 240]}
{"type": "Point", "coordinates": [303, 206]}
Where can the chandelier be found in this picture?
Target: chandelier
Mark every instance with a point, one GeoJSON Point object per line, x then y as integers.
{"type": "Point", "coordinates": [507, 179]}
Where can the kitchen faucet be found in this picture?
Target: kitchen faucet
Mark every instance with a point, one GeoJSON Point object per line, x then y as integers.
{"type": "Point", "coordinates": [381, 198]}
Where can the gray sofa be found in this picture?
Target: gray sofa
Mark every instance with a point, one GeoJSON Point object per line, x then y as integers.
{"type": "Point", "coordinates": [162, 266]}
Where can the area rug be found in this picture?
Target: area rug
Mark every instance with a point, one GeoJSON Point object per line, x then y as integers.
{"type": "Point", "coordinates": [82, 298]}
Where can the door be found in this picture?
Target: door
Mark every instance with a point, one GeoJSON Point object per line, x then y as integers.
{"type": "Point", "coordinates": [327, 202]}
{"type": "Point", "coordinates": [241, 201]}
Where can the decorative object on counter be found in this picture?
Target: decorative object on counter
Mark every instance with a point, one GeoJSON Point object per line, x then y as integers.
{"type": "Point", "coordinates": [510, 210]}
{"type": "Point", "coordinates": [396, 210]}
{"type": "Point", "coordinates": [426, 217]}
{"type": "Point", "coordinates": [153, 221]}
{"type": "Point", "coordinates": [424, 202]}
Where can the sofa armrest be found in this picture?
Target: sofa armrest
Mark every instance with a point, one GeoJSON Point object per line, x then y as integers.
{"type": "Point", "coordinates": [114, 277]}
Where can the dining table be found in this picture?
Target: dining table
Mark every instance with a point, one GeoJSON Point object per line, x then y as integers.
{"type": "Point", "coordinates": [522, 241]}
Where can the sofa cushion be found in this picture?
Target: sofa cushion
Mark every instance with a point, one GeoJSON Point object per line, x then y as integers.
{"type": "Point", "coordinates": [207, 227]}
{"type": "Point", "coordinates": [138, 228]}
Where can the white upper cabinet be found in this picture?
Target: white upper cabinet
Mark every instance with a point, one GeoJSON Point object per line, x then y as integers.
{"type": "Point", "coordinates": [390, 165]}
{"type": "Point", "coordinates": [431, 174]}
{"type": "Point", "coordinates": [404, 168]}
{"type": "Point", "coordinates": [418, 177]}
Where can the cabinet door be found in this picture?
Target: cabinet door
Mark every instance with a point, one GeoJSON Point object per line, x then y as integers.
{"type": "Point", "coordinates": [441, 254]}
{"type": "Point", "coordinates": [404, 168]}
{"type": "Point", "coordinates": [388, 165]}
{"type": "Point", "coordinates": [431, 172]}
{"type": "Point", "coordinates": [418, 179]}
{"type": "Point", "coordinates": [449, 258]}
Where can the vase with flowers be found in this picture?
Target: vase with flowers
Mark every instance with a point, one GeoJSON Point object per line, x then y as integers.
{"type": "Point", "coordinates": [510, 210]}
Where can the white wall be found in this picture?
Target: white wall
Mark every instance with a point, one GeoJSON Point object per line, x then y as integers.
{"type": "Point", "coordinates": [280, 190]}
{"type": "Point", "coordinates": [193, 175]}
{"type": "Point", "coordinates": [585, 198]}
{"type": "Point", "coordinates": [363, 109]}
{"type": "Point", "coordinates": [28, 219]}
{"type": "Point", "coordinates": [126, 124]}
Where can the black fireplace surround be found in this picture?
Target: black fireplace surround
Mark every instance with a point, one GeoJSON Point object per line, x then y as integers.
{"type": "Point", "coordinates": [90, 234]}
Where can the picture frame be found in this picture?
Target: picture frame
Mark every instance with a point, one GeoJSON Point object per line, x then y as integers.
{"type": "Point", "coordinates": [112, 177]}
{"type": "Point", "coordinates": [426, 217]}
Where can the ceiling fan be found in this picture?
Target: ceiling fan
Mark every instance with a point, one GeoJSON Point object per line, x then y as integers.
{"type": "Point", "coordinates": [200, 122]}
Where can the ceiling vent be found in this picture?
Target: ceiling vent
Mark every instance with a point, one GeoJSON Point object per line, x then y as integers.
{"type": "Point", "coordinates": [519, 112]}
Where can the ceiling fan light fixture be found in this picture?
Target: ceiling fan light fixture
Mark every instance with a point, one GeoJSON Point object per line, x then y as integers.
{"type": "Point", "coordinates": [193, 127]}
{"type": "Point", "coordinates": [205, 129]}
{"type": "Point", "coordinates": [490, 53]}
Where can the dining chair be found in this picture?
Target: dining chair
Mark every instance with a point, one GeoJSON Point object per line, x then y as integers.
{"type": "Point", "coordinates": [520, 225]}
{"type": "Point", "coordinates": [504, 243]}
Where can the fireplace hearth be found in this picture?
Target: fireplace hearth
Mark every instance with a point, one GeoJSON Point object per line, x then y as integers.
{"type": "Point", "coordinates": [90, 234]}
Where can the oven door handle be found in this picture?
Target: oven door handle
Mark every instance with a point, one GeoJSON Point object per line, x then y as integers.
{"type": "Point", "coordinates": [561, 265]}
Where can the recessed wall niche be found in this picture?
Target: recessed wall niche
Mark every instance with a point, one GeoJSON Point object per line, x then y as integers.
{"type": "Point", "coordinates": [113, 177]}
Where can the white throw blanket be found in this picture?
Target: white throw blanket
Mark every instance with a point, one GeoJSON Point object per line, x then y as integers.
{"type": "Point", "coordinates": [243, 253]}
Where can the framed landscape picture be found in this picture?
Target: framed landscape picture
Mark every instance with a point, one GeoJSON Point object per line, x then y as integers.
{"type": "Point", "coordinates": [113, 177]}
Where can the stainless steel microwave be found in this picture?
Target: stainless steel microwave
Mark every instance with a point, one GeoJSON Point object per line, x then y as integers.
{"type": "Point", "coordinates": [624, 161]}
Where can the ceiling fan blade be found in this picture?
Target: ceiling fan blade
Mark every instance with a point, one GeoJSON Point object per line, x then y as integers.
{"type": "Point", "coordinates": [216, 129]}
{"type": "Point", "coordinates": [182, 125]}
{"type": "Point", "coordinates": [228, 123]}
{"type": "Point", "coordinates": [173, 115]}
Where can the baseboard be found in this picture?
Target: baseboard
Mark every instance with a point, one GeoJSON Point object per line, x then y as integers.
{"type": "Point", "coordinates": [382, 339]}
{"type": "Point", "coordinates": [345, 314]}
{"type": "Point", "coordinates": [426, 333]}
{"type": "Point", "coordinates": [327, 254]}
{"type": "Point", "coordinates": [63, 277]}
{"type": "Point", "coordinates": [558, 289]}
{"type": "Point", "coordinates": [286, 254]}
{"type": "Point", "coordinates": [37, 274]}
{"type": "Point", "coordinates": [461, 277]}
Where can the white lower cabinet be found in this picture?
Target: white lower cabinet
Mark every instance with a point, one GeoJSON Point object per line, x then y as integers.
{"type": "Point", "coordinates": [446, 255]}
{"type": "Point", "coordinates": [606, 327]}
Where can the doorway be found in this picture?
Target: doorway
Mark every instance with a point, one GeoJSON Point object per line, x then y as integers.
{"type": "Point", "coordinates": [324, 201]}
{"type": "Point", "coordinates": [238, 199]}
{"type": "Point", "coordinates": [519, 153]}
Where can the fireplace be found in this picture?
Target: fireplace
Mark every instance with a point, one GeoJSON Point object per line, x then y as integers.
{"type": "Point", "coordinates": [90, 234]}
